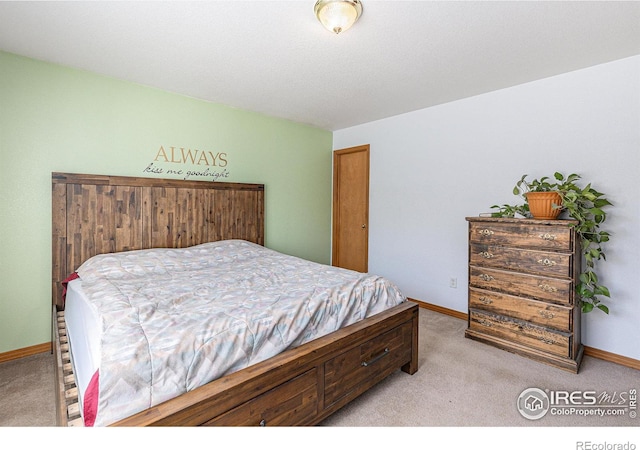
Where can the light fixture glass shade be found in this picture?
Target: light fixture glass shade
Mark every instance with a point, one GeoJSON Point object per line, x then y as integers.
{"type": "Point", "coordinates": [338, 15]}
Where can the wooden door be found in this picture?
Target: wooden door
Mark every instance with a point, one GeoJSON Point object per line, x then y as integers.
{"type": "Point", "coordinates": [351, 208]}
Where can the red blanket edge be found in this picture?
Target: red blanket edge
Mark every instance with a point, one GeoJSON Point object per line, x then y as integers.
{"type": "Point", "coordinates": [64, 283]}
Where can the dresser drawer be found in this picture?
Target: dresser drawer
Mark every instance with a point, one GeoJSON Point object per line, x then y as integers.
{"type": "Point", "coordinates": [532, 286]}
{"type": "Point", "coordinates": [521, 332]}
{"type": "Point", "coordinates": [531, 261]}
{"type": "Point", "coordinates": [540, 313]}
{"type": "Point", "coordinates": [543, 237]}
{"type": "Point", "coordinates": [381, 354]}
{"type": "Point", "coordinates": [292, 403]}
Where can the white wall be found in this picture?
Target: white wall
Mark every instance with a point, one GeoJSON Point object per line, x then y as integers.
{"type": "Point", "coordinates": [432, 168]}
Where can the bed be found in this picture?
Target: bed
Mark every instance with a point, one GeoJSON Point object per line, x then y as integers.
{"type": "Point", "coordinates": [131, 240]}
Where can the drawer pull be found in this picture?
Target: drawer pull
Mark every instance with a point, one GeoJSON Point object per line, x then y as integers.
{"type": "Point", "coordinates": [485, 232]}
{"type": "Point", "coordinates": [485, 277]}
{"type": "Point", "coordinates": [547, 262]}
{"type": "Point", "coordinates": [485, 300]}
{"type": "Point", "coordinates": [486, 255]}
{"type": "Point", "coordinates": [548, 237]}
{"type": "Point", "coordinates": [376, 358]}
{"type": "Point", "coordinates": [546, 314]}
{"type": "Point", "coordinates": [547, 340]}
{"type": "Point", "coordinates": [547, 288]}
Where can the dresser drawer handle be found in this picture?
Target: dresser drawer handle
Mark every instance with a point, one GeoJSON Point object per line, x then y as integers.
{"type": "Point", "coordinates": [376, 358]}
{"type": "Point", "coordinates": [546, 314]}
{"type": "Point", "coordinates": [547, 262]}
{"type": "Point", "coordinates": [485, 232]}
{"type": "Point", "coordinates": [485, 300]}
{"type": "Point", "coordinates": [548, 237]}
{"type": "Point", "coordinates": [547, 340]}
{"type": "Point", "coordinates": [486, 255]}
{"type": "Point", "coordinates": [485, 277]}
{"type": "Point", "coordinates": [547, 288]}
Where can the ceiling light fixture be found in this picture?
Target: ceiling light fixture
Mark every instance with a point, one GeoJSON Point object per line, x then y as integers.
{"type": "Point", "coordinates": [338, 15]}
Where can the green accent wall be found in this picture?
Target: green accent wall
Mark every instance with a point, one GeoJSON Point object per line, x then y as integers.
{"type": "Point", "coordinates": [58, 119]}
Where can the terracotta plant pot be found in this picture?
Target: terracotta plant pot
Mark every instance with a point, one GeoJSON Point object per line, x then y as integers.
{"type": "Point", "coordinates": [541, 204]}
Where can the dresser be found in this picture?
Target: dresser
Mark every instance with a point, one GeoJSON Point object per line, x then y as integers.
{"type": "Point", "coordinates": [522, 277]}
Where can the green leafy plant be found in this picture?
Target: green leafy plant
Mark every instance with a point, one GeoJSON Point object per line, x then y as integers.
{"type": "Point", "coordinates": [585, 205]}
{"type": "Point", "coordinates": [544, 184]}
{"type": "Point", "coordinates": [510, 210]}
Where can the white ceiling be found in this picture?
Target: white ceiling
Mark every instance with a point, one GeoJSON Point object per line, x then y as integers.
{"type": "Point", "coordinates": [274, 57]}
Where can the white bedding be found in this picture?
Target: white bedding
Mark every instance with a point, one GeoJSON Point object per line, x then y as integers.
{"type": "Point", "coordinates": [171, 320]}
{"type": "Point", "coordinates": [83, 332]}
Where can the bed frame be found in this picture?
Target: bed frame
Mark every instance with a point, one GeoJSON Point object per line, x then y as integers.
{"type": "Point", "coordinates": [95, 214]}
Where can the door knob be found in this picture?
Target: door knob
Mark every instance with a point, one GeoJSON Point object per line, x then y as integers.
{"type": "Point", "coordinates": [364, 225]}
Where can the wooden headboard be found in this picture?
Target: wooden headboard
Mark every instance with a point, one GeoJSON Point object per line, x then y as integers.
{"type": "Point", "coordinates": [95, 214]}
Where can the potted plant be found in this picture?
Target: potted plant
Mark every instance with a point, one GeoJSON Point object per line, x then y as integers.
{"type": "Point", "coordinates": [543, 197]}
{"type": "Point", "coordinates": [583, 204]}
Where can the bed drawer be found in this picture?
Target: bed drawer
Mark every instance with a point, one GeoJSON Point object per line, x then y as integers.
{"type": "Point", "coordinates": [373, 359]}
{"type": "Point", "coordinates": [291, 403]}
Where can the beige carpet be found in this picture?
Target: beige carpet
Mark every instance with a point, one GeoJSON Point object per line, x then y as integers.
{"type": "Point", "coordinates": [27, 392]}
{"type": "Point", "coordinates": [460, 383]}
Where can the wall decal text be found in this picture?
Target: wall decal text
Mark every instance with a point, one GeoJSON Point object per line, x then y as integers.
{"type": "Point", "coordinates": [211, 164]}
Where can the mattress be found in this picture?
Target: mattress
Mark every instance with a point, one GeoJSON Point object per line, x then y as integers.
{"type": "Point", "coordinates": [148, 325]}
{"type": "Point", "coordinates": [83, 332]}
